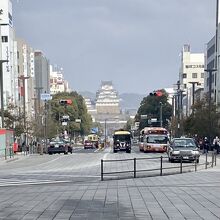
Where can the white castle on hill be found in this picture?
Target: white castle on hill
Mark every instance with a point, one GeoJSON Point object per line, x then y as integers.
{"type": "Point", "coordinates": [107, 100]}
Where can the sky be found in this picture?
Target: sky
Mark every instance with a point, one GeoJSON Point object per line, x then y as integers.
{"type": "Point", "coordinates": [134, 43]}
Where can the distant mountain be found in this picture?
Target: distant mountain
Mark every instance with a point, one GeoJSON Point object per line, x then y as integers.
{"type": "Point", "coordinates": [127, 100]}
{"type": "Point", "coordinates": [130, 100]}
{"type": "Point", "coordinates": [88, 94]}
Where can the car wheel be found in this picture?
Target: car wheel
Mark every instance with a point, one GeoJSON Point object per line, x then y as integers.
{"type": "Point", "coordinates": [171, 160]}
{"type": "Point", "coordinates": [50, 153]}
{"type": "Point", "coordinates": [115, 151]}
{"type": "Point", "coordinates": [128, 151]}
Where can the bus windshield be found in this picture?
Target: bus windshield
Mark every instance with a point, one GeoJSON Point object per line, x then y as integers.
{"type": "Point", "coordinates": [155, 139]}
{"type": "Point", "coordinates": [124, 137]}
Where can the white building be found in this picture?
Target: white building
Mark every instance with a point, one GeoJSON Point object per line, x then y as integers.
{"type": "Point", "coordinates": [10, 75]}
{"type": "Point", "coordinates": [90, 108]}
{"type": "Point", "coordinates": [107, 99]}
{"type": "Point", "coordinates": [26, 80]}
{"type": "Point", "coordinates": [57, 81]}
{"type": "Point", "coordinates": [191, 76]}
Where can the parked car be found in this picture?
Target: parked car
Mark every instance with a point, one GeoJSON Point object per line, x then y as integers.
{"type": "Point", "coordinates": [184, 148]}
{"type": "Point", "coordinates": [57, 147]}
{"type": "Point", "coordinates": [88, 144]}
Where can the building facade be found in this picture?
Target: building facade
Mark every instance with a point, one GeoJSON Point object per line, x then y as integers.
{"type": "Point", "coordinates": [57, 81]}
{"type": "Point", "coordinates": [191, 76]}
{"type": "Point", "coordinates": [10, 75]}
{"type": "Point", "coordinates": [26, 80]}
{"type": "Point", "coordinates": [107, 100]}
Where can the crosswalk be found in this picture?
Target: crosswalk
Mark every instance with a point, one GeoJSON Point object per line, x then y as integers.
{"type": "Point", "coordinates": [4, 182]}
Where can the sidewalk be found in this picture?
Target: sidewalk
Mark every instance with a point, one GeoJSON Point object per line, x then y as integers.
{"type": "Point", "coordinates": [17, 156]}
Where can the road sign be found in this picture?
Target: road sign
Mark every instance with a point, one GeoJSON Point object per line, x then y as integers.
{"type": "Point", "coordinates": [45, 96]}
{"type": "Point", "coordinates": [143, 116]}
{"type": "Point", "coordinates": [137, 124]}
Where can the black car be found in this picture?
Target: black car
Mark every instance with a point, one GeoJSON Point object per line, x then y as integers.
{"type": "Point", "coordinates": [57, 147]}
{"type": "Point", "coordinates": [183, 148]}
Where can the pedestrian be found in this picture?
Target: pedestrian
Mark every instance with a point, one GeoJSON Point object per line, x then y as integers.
{"type": "Point", "coordinates": [216, 143]}
{"type": "Point", "coordinates": [206, 145]}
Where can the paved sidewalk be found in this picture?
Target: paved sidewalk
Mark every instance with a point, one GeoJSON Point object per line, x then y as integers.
{"type": "Point", "coordinates": [183, 196]}
{"type": "Point", "coordinates": [17, 156]}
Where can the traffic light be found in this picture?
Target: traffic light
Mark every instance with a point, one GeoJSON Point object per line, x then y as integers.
{"type": "Point", "coordinates": [65, 102]}
{"type": "Point", "coordinates": [156, 93]}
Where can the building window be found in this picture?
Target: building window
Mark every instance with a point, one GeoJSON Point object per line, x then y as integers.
{"type": "Point", "coordinates": [194, 75]}
{"type": "Point", "coordinates": [184, 75]}
{"type": "Point", "coordinates": [202, 75]}
{"type": "Point", "coordinates": [4, 39]}
{"type": "Point", "coordinates": [18, 69]}
{"type": "Point", "coordinates": [184, 86]}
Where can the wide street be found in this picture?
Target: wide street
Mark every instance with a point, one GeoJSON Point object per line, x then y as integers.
{"type": "Point", "coordinates": [70, 187]}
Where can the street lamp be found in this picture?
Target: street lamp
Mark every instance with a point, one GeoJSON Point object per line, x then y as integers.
{"type": "Point", "coordinates": [193, 94]}
{"type": "Point", "coordinates": [105, 132]}
{"type": "Point", "coordinates": [161, 114]}
{"type": "Point", "coordinates": [1, 84]}
{"type": "Point", "coordinates": [210, 71]}
{"type": "Point", "coordinates": [23, 78]}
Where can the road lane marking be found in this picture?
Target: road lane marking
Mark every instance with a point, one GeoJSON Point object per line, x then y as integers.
{"type": "Point", "coordinates": [19, 183]}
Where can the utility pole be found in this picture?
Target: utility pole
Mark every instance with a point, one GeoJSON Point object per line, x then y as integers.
{"type": "Point", "coordinates": [105, 132]}
{"type": "Point", "coordinates": [193, 94]}
{"type": "Point", "coordinates": [2, 90]}
{"type": "Point", "coordinates": [161, 114]}
{"type": "Point", "coordinates": [23, 78]}
{"type": "Point", "coordinates": [210, 71]}
{"type": "Point", "coordinates": [37, 110]}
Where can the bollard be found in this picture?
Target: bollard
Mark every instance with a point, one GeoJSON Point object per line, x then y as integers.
{"type": "Point", "coordinates": [206, 160]}
{"type": "Point", "coordinates": [181, 164]}
{"type": "Point", "coordinates": [134, 167]}
{"type": "Point", "coordinates": [101, 169]}
{"type": "Point", "coordinates": [196, 164]}
{"type": "Point", "coordinates": [212, 159]}
{"type": "Point", "coordinates": [161, 165]}
{"type": "Point", "coordinates": [215, 158]}
{"type": "Point", "coordinates": [5, 154]}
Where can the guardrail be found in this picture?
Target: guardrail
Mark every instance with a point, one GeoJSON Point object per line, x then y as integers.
{"type": "Point", "coordinates": [161, 163]}
{"type": "Point", "coordinates": [7, 152]}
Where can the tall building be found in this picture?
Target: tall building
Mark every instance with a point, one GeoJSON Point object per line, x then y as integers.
{"type": "Point", "coordinates": [107, 99]}
{"type": "Point", "coordinates": [26, 80]}
{"type": "Point", "coordinates": [57, 81]}
{"type": "Point", "coordinates": [210, 64]}
{"type": "Point", "coordinates": [191, 76]}
{"type": "Point", "coordinates": [42, 74]}
{"type": "Point", "coordinates": [7, 53]}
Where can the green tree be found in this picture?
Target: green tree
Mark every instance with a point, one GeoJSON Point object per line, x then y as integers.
{"type": "Point", "coordinates": [76, 110]}
{"type": "Point", "coordinates": [150, 106]}
{"type": "Point", "coordinates": [202, 121]}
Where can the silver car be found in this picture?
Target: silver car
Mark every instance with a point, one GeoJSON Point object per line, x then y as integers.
{"type": "Point", "coordinates": [184, 148]}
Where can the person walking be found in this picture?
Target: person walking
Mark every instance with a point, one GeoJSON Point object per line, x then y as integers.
{"type": "Point", "coordinates": [206, 145]}
{"type": "Point", "coordinates": [216, 143]}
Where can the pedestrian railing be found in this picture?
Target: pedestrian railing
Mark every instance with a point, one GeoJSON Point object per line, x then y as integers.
{"type": "Point", "coordinates": [210, 161]}
{"type": "Point", "coordinates": [7, 152]}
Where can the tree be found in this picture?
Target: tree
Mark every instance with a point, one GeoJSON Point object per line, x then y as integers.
{"type": "Point", "coordinates": [76, 110]}
{"type": "Point", "coordinates": [150, 107]}
{"type": "Point", "coordinates": [202, 121]}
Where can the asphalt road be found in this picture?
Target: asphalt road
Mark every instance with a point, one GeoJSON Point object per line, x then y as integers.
{"type": "Point", "coordinates": [85, 165]}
